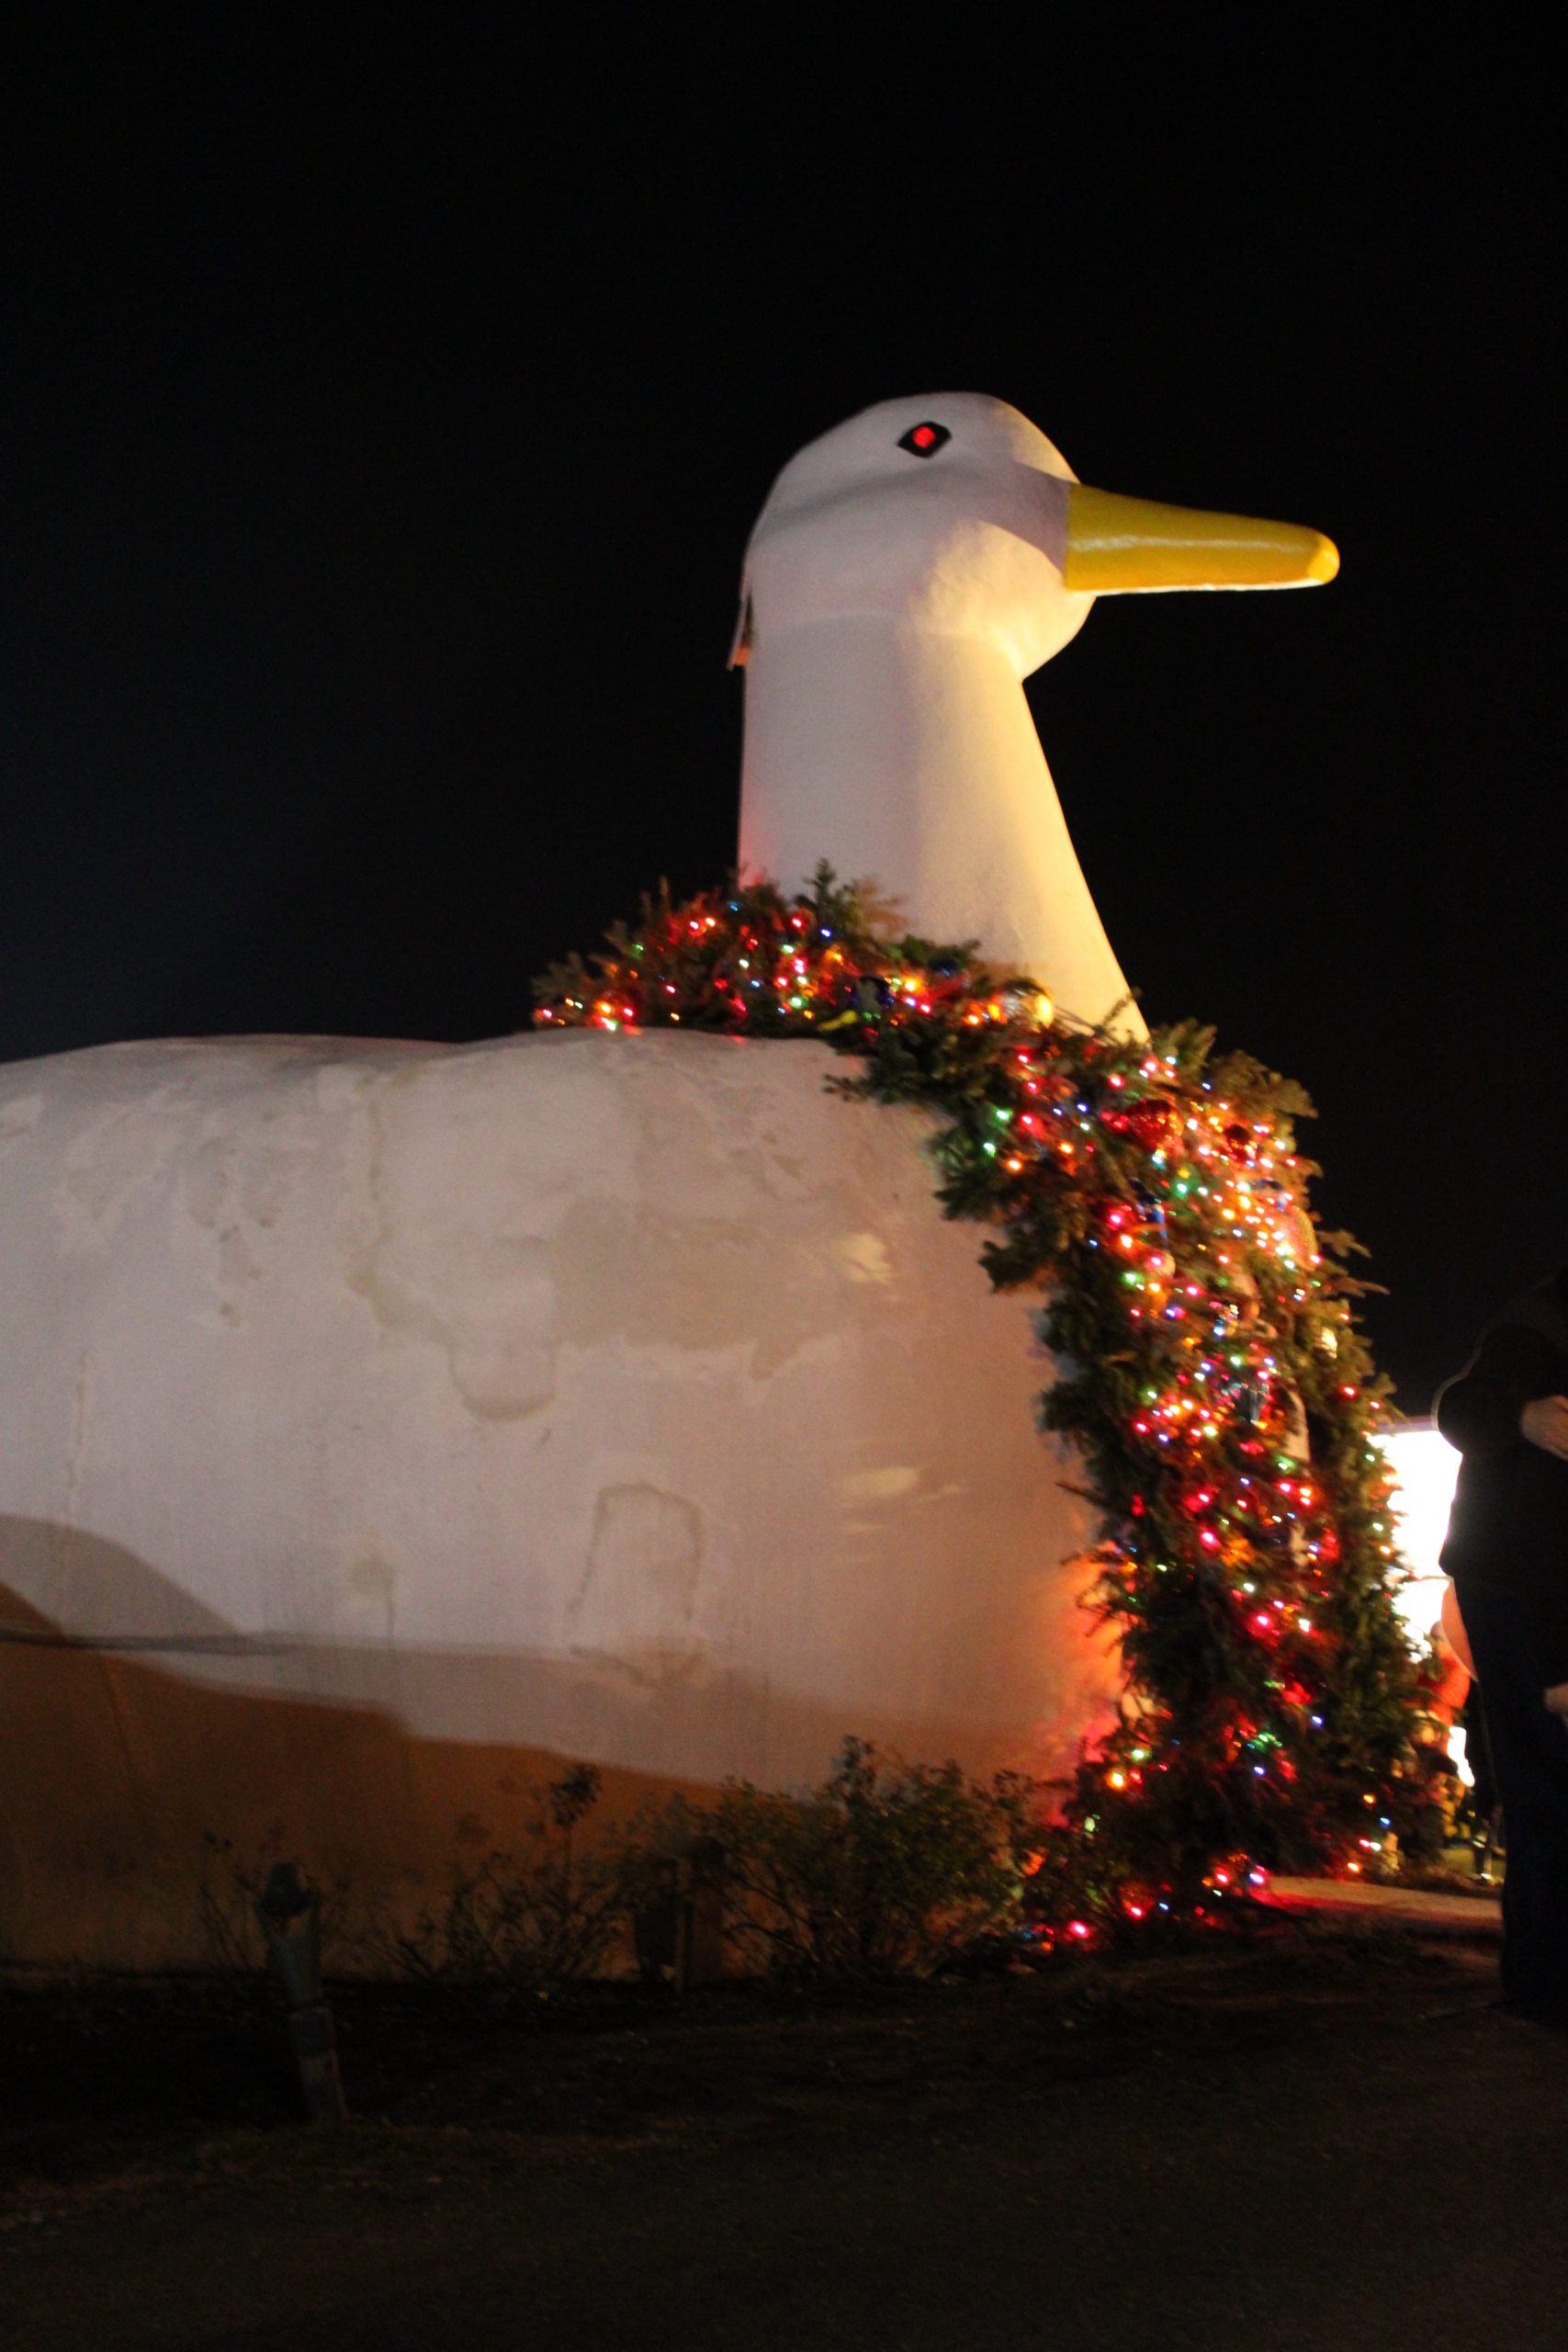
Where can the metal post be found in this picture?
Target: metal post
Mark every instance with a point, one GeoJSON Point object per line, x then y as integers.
{"type": "Point", "coordinates": [290, 1914]}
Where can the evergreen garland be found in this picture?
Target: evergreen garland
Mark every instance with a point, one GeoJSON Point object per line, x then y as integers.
{"type": "Point", "coordinates": [1210, 1373]}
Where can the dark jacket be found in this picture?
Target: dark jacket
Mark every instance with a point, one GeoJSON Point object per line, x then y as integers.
{"type": "Point", "coordinates": [1508, 1527]}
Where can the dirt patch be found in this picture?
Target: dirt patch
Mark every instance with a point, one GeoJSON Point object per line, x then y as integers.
{"type": "Point", "coordinates": [1326, 2139]}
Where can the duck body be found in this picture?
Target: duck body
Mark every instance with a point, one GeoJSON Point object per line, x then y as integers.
{"type": "Point", "coordinates": [381, 1425]}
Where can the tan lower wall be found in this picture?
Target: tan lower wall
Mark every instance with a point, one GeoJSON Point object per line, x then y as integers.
{"type": "Point", "coordinates": [133, 1803]}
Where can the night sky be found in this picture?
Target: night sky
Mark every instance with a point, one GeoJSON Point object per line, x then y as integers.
{"type": "Point", "coordinates": [382, 425]}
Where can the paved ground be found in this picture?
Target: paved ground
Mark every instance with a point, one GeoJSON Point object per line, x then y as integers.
{"type": "Point", "coordinates": [1474, 1913]}
{"type": "Point", "coordinates": [1328, 2140]}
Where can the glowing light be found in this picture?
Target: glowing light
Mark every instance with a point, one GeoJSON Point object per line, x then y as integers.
{"type": "Point", "coordinates": [1425, 1466]}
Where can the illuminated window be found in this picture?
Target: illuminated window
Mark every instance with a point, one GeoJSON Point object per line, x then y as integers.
{"type": "Point", "coordinates": [924, 440]}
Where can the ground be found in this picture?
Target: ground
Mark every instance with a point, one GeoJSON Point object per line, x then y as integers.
{"type": "Point", "coordinates": [1326, 2138]}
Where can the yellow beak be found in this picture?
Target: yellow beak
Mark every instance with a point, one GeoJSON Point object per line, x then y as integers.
{"type": "Point", "coordinates": [1118, 545]}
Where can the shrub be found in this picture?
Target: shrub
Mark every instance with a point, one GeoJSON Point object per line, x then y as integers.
{"type": "Point", "coordinates": [887, 1870]}
{"type": "Point", "coordinates": [532, 1922]}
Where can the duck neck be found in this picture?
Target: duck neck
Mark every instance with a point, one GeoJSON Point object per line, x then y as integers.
{"type": "Point", "coordinates": [909, 760]}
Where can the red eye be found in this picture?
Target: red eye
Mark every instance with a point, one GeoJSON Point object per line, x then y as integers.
{"type": "Point", "coordinates": [924, 440]}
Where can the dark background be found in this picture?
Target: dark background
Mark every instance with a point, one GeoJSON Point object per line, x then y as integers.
{"type": "Point", "coordinates": [382, 420]}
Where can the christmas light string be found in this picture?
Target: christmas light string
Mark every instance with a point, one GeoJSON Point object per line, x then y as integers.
{"type": "Point", "coordinates": [1210, 1373]}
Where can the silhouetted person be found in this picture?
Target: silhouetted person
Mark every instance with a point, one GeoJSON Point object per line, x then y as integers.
{"type": "Point", "coordinates": [1507, 1552]}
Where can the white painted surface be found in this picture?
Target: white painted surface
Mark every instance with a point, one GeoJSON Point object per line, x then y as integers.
{"type": "Point", "coordinates": [627, 1397]}
{"type": "Point", "coordinates": [896, 605]}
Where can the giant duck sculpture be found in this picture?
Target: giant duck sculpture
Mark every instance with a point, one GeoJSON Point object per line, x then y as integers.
{"type": "Point", "coordinates": [382, 1422]}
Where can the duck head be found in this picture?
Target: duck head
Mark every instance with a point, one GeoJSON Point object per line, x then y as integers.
{"type": "Point", "coordinates": [908, 571]}
{"type": "Point", "coordinates": [952, 512]}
